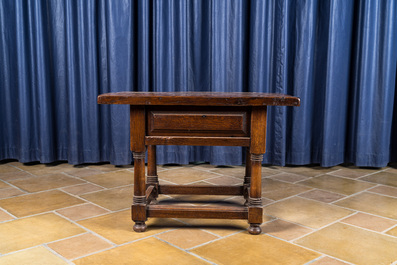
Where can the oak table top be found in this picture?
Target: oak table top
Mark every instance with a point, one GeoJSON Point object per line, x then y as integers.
{"type": "Point", "coordinates": [199, 99]}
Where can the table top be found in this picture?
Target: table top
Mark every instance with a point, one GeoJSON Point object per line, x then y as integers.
{"type": "Point", "coordinates": [199, 99]}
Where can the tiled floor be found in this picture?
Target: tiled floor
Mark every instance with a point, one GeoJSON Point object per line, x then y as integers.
{"type": "Point", "coordinates": [63, 214]}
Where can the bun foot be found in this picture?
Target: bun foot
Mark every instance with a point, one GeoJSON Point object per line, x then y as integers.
{"type": "Point", "coordinates": [254, 229]}
{"type": "Point", "coordinates": [140, 227]}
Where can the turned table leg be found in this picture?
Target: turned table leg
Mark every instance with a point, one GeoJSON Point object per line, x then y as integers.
{"type": "Point", "coordinates": [257, 149]}
{"type": "Point", "coordinates": [152, 178]}
{"type": "Point", "coordinates": [138, 148]}
{"type": "Point", "coordinates": [247, 177]}
{"type": "Point", "coordinates": [139, 201]}
{"type": "Point", "coordinates": [255, 210]}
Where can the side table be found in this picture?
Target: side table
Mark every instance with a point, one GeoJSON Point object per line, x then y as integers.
{"type": "Point", "coordinates": [201, 119]}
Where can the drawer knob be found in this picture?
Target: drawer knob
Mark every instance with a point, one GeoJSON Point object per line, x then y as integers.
{"type": "Point", "coordinates": [204, 116]}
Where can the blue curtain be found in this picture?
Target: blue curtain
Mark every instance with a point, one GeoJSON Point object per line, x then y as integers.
{"type": "Point", "coordinates": [338, 56]}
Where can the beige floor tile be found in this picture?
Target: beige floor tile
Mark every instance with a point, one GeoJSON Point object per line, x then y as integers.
{"type": "Point", "coordinates": [45, 169]}
{"type": "Point", "coordinates": [10, 192]}
{"type": "Point", "coordinates": [33, 256]}
{"type": "Point", "coordinates": [4, 168]}
{"type": "Point", "coordinates": [284, 229]}
{"type": "Point", "coordinates": [322, 195]}
{"type": "Point", "coordinates": [185, 175]}
{"type": "Point", "coordinates": [83, 172]}
{"type": "Point", "coordinates": [336, 184]}
{"type": "Point", "coordinates": [260, 249]}
{"type": "Point", "coordinates": [239, 171]}
{"type": "Point", "coordinates": [385, 190]}
{"type": "Point", "coordinates": [19, 174]}
{"type": "Point", "coordinates": [5, 216]}
{"type": "Point", "coordinates": [32, 231]}
{"type": "Point", "coordinates": [112, 179]}
{"type": "Point", "coordinates": [25, 205]}
{"type": "Point", "coordinates": [28, 166]}
{"type": "Point", "coordinates": [79, 246]}
{"type": "Point", "coordinates": [277, 190]}
{"type": "Point", "coordinates": [392, 169]}
{"type": "Point", "coordinates": [48, 182]}
{"type": "Point", "coordinates": [82, 189]}
{"type": "Point", "coordinates": [328, 261]}
{"type": "Point", "coordinates": [353, 244]}
{"type": "Point", "coordinates": [385, 178]}
{"type": "Point", "coordinates": [224, 180]}
{"type": "Point", "coordinates": [204, 166]}
{"type": "Point", "coordinates": [110, 167]}
{"type": "Point", "coordinates": [113, 199]}
{"type": "Point", "coordinates": [370, 222]}
{"type": "Point", "coordinates": [353, 172]}
{"type": "Point", "coordinates": [268, 171]}
{"type": "Point", "coordinates": [370, 203]}
{"type": "Point", "coordinates": [4, 185]}
{"type": "Point", "coordinates": [187, 238]}
{"type": "Point", "coordinates": [147, 251]}
{"type": "Point", "coordinates": [82, 211]}
{"type": "Point", "coordinates": [393, 232]}
{"type": "Point", "coordinates": [306, 212]}
{"type": "Point", "coordinates": [220, 227]}
{"type": "Point", "coordinates": [117, 227]}
{"type": "Point", "coordinates": [289, 177]}
{"type": "Point", "coordinates": [308, 171]}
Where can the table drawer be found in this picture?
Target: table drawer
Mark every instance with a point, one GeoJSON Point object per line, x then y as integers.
{"type": "Point", "coordinates": [198, 123]}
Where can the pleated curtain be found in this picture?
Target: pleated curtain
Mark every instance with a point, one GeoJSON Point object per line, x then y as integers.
{"type": "Point", "coordinates": [338, 56]}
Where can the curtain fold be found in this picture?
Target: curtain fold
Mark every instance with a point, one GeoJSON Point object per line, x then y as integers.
{"type": "Point", "coordinates": [338, 56]}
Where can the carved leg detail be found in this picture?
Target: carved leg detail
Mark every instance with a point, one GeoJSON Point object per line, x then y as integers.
{"type": "Point", "coordinates": [139, 200]}
{"type": "Point", "coordinates": [255, 210]}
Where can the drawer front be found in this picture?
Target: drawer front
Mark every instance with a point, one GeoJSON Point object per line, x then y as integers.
{"type": "Point", "coordinates": [197, 123]}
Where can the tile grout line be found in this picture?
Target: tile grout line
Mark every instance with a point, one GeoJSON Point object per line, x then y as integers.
{"type": "Point", "coordinates": [86, 201]}
{"type": "Point", "coordinates": [56, 254]}
{"type": "Point", "coordinates": [218, 239]}
{"type": "Point", "coordinates": [16, 187]}
{"type": "Point", "coordinates": [184, 250]}
{"type": "Point", "coordinates": [84, 228]}
{"type": "Point", "coordinates": [7, 212]}
{"type": "Point", "coordinates": [389, 229]}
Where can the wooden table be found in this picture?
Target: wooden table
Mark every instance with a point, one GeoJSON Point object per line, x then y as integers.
{"type": "Point", "coordinates": [202, 119]}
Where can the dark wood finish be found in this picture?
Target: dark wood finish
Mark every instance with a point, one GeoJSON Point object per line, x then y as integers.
{"type": "Point", "coordinates": [139, 200]}
{"type": "Point", "coordinates": [197, 118]}
{"type": "Point", "coordinates": [197, 123]}
{"type": "Point", "coordinates": [152, 178]}
{"type": "Point", "coordinates": [198, 141]}
{"type": "Point", "coordinates": [201, 190]}
{"type": "Point", "coordinates": [166, 211]}
{"type": "Point", "coordinates": [198, 99]}
{"type": "Point", "coordinates": [151, 160]}
{"type": "Point", "coordinates": [137, 129]}
{"type": "Point", "coordinates": [258, 130]}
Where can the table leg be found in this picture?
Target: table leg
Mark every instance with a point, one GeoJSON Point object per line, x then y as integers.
{"type": "Point", "coordinates": [255, 210]}
{"type": "Point", "coordinates": [152, 178]}
{"type": "Point", "coordinates": [138, 208]}
{"type": "Point", "coordinates": [247, 177]}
